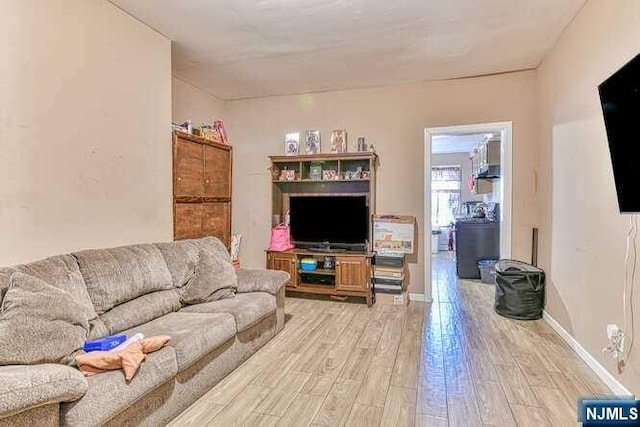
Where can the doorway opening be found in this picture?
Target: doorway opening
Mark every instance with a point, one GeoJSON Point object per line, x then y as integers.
{"type": "Point", "coordinates": [467, 198]}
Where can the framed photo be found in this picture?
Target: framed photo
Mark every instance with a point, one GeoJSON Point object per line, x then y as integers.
{"type": "Point", "coordinates": [292, 143]}
{"type": "Point", "coordinates": [315, 172]}
{"type": "Point", "coordinates": [339, 141]}
{"type": "Point", "coordinates": [312, 142]}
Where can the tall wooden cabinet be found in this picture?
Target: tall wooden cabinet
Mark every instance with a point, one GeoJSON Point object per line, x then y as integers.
{"type": "Point", "coordinates": [201, 188]}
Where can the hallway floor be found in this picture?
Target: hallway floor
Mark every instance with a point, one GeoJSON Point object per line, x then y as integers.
{"type": "Point", "coordinates": [452, 362]}
{"type": "Point", "coordinates": [476, 363]}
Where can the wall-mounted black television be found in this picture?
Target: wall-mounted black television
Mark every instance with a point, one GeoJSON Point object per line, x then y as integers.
{"type": "Point", "coordinates": [620, 99]}
{"type": "Point", "coordinates": [329, 222]}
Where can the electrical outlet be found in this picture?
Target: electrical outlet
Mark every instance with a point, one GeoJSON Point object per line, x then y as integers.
{"type": "Point", "coordinates": [616, 342]}
{"type": "Point", "coordinates": [612, 331]}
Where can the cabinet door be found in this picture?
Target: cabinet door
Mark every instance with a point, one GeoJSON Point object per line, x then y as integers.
{"type": "Point", "coordinates": [216, 221]}
{"type": "Point", "coordinates": [189, 165]}
{"type": "Point", "coordinates": [283, 262]}
{"type": "Point", "coordinates": [187, 221]}
{"type": "Point", "coordinates": [217, 172]}
{"type": "Point", "coordinates": [351, 273]}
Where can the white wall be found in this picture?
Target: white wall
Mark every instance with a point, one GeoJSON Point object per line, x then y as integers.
{"type": "Point", "coordinates": [192, 103]}
{"type": "Point", "coordinates": [393, 118]}
{"type": "Point", "coordinates": [85, 148]}
{"type": "Point", "coordinates": [582, 234]}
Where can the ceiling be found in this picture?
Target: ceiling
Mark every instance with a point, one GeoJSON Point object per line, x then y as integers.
{"type": "Point", "coordinates": [250, 48]}
{"type": "Point", "coordinates": [457, 143]}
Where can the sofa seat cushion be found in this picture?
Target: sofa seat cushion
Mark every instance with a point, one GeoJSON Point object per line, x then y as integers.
{"type": "Point", "coordinates": [247, 309]}
{"type": "Point", "coordinates": [109, 393]}
{"type": "Point", "coordinates": [117, 275]}
{"type": "Point", "coordinates": [193, 335]}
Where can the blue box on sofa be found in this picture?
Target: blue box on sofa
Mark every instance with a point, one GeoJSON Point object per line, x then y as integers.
{"type": "Point", "coordinates": [105, 343]}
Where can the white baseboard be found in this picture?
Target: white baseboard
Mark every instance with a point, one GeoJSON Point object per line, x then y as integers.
{"type": "Point", "coordinates": [418, 297]}
{"type": "Point", "coordinates": [616, 386]}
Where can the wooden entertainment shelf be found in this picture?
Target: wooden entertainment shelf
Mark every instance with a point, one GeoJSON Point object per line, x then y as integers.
{"type": "Point", "coordinates": [350, 277]}
{"type": "Point", "coordinates": [344, 174]}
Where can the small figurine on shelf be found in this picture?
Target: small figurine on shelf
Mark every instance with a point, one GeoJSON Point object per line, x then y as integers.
{"type": "Point", "coordinates": [183, 127]}
{"type": "Point", "coordinates": [358, 173]}
{"type": "Point", "coordinates": [361, 144]}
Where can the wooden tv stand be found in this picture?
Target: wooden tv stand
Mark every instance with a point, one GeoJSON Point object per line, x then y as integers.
{"type": "Point", "coordinates": [350, 275]}
{"type": "Point", "coordinates": [347, 174]}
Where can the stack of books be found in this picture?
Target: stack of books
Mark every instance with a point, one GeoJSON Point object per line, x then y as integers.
{"type": "Point", "coordinates": [389, 273]}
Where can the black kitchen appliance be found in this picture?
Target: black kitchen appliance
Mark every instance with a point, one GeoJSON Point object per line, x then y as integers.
{"type": "Point", "coordinates": [476, 239]}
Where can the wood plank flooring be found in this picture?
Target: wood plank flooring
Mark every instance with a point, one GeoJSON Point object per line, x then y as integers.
{"type": "Point", "coordinates": [452, 362]}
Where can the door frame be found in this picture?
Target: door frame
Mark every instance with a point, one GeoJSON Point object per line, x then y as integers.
{"type": "Point", "coordinates": [506, 194]}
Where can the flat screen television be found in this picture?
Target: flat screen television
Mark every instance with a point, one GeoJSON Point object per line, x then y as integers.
{"type": "Point", "coordinates": [335, 221]}
{"type": "Point", "coordinates": [620, 99]}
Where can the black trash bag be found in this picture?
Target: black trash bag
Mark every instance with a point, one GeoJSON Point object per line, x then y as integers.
{"type": "Point", "coordinates": [519, 290]}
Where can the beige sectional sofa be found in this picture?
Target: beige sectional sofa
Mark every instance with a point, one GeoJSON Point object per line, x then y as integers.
{"type": "Point", "coordinates": [138, 289]}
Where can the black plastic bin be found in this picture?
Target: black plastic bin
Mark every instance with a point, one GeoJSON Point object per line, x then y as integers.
{"type": "Point", "coordinates": [519, 290]}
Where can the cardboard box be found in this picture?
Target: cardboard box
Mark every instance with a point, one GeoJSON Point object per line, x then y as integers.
{"type": "Point", "coordinates": [393, 233]}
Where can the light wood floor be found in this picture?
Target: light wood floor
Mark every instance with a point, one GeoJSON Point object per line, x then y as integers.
{"type": "Point", "coordinates": [452, 362]}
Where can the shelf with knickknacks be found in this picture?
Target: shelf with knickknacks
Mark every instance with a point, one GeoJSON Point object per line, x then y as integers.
{"type": "Point", "coordinates": [287, 171]}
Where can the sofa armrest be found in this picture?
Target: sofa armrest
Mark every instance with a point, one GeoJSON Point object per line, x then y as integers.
{"type": "Point", "coordinates": [24, 387]}
{"type": "Point", "coordinates": [270, 281]}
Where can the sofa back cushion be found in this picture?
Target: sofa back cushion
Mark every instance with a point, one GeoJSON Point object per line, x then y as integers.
{"type": "Point", "coordinates": [40, 323]}
{"type": "Point", "coordinates": [182, 256]}
{"type": "Point", "coordinates": [59, 271]}
{"type": "Point", "coordinates": [117, 275]}
{"type": "Point", "coordinates": [214, 279]}
{"type": "Point", "coordinates": [135, 312]}
{"type": "Point", "coordinates": [215, 246]}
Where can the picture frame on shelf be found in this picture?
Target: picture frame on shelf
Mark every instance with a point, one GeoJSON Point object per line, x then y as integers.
{"type": "Point", "coordinates": [315, 172]}
{"type": "Point", "coordinates": [312, 142]}
{"type": "Point", "coordinates": [339, 141]}
{"type": "Point", "coordinates": [292, 143]}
